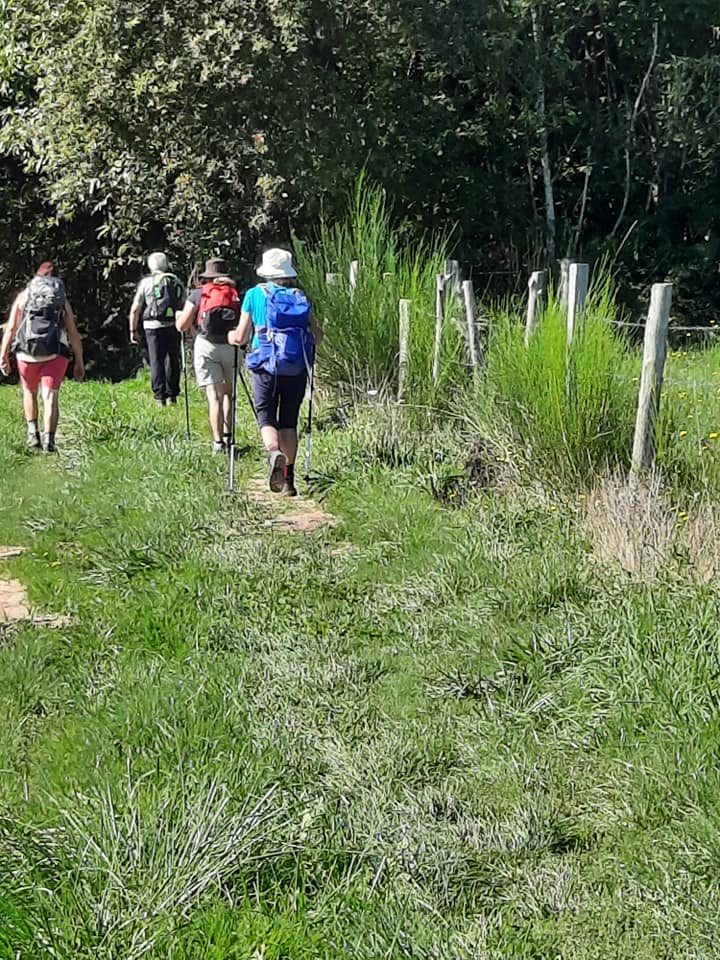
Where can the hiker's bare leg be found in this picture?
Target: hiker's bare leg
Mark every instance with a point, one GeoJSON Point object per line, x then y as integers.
{"type": "Point", "coordinates": [30, 404]}
{"type": "Point", "coordinates": [215, 409]}
{"type": "Point", "coordinates": [288, 444]}
{"type": "Point", "coordinates": [51, 408]}
{"type": "Point", "coordinates": [270, 438]}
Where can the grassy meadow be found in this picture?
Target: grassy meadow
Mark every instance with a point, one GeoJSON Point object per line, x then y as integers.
{"type": "Point", "coordinates": [478, 717]}
{"type": "Point", "coordinates": [466, 722]}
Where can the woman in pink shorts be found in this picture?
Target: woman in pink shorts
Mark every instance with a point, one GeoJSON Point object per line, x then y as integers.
{"type": "Point", "coordinates": [41, 330]}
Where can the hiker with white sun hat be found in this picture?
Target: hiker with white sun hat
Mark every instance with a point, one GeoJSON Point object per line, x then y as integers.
{"type": "Point", "coordinates": [278, 329]}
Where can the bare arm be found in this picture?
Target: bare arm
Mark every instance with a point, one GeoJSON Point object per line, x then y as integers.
{"type": "Point", "coordinates": [10, 330]}
{"type": "Point", "coordinates": [134, 320]}
{"type": "Point", "coordinates": [241, 335]}
{"type": "Point", "coordinates": [75, 341]}
{"type": "Point", "coordinates": [184, 319]}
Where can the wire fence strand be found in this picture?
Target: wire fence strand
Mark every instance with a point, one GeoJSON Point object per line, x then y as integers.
{"type": "Point", "coordinates": [672, 329]}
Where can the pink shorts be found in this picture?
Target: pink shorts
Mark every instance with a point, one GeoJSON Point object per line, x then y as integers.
{"type": "Point", "coordinates": [50, 372]}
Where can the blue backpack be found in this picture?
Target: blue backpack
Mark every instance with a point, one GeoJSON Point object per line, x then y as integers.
{"type": "Point", "coordinates": [285, 343]}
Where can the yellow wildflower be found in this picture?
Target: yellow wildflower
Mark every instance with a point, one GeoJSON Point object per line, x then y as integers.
{"type": "Point", "coordinates": [713, 436]}
{"type": "Point", "coordinates": [683, 433]}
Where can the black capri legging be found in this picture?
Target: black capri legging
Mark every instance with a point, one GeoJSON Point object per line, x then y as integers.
{"type": "Point", "coordinates": [278, 399]}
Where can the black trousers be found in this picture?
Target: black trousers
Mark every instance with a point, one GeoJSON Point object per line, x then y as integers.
{"type": "Point", "coordinates": [164, 354]}
{"type": "Point", "coordinates": [278, 399]}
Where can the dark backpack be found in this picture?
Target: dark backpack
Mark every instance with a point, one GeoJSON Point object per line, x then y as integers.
{"type": "Point", "coordinates": [218, 311]}
{"type": "Point", "coordinates": [164, 298]}
{"type": "Point", "coordinates": [43, 319]}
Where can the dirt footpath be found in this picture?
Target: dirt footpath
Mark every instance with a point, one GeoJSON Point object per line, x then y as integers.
{"type": "Point", "coordinates": [14, 604]}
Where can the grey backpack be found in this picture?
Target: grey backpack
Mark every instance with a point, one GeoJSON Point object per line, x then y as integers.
{"type": "Point", "coordinates": [43, 319]}
{"type": "Point", "coordinates": [164, 298]}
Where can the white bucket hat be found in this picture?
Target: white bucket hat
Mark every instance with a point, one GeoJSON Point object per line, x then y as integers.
{"type": "Point", "coordinates": [275, 264]}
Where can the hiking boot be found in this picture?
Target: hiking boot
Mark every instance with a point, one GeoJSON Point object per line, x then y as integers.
{"type": "Point", "coordinates": [218, 446]}
{"type": "Point", "coordinates": [49, 446]}
{"type": "Point", "coordinates": [160, 401]}
{"type": "Point", "coordinates": [33, 441]}
{"type": "Point", "coordinates": [276, 470]}
{"type": "Point", "coordinates": [288, 489]}
{"type": "Point", "coordinates": [171, 402]}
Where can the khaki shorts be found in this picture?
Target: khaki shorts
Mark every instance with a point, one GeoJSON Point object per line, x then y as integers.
{"type": "Point", "coordinates": [213, 362]}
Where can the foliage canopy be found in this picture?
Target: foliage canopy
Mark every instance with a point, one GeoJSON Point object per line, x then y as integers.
{"type": "Point", "coordinates": [203, 128]}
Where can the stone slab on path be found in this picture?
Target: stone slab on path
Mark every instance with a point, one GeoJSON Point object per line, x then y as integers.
{"type": "Point", "coordinates": [7, 553]}
{"type": "Point", "coordinates": [292, 514]}
{"type": "Point", "coordinates": [14, 604]}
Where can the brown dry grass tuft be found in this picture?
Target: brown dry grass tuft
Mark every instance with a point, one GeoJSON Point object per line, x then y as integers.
{"type": "Point", "coordinates": [631, 525]}
{"type": "Point", "coordinates": [634, 526]}
{"type": "Point", "coordinates": [701, 539]}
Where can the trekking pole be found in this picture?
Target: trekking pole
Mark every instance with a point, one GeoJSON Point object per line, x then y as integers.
{"type": "Point", "coordinates": [233, 407]}
{"type": "Point", "coordinates": [185, 379]}
{"type": "Point", "coordinates": [308, 433]}
{"type": "Point", "coordinates": [248, 394]}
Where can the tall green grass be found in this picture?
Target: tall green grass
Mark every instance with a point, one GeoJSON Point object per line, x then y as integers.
{"type": "Point", "coordinates": [569, 408]}
{"type": "Point", "coordinates": [688, 447]}
{"type": "Point", "coordinates": [361, 349]}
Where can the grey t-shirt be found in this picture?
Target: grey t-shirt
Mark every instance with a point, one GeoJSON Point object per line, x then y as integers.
{"type": "Point", "coordinates": [143, 297]}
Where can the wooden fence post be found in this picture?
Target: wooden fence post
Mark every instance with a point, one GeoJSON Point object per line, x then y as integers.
{"type": "Point", "coordinates": [404, 354]}
{"type": "Point", "coordinates": [332, 279]}
{"type": "Point", "coordinates": [469, 297]}
{"type": "Point", "coordinates": [564, 280]}
{"type": "Point", "coordinates": [579, 278]}
{"type": "Point", "coordinates": [439, 318]}
{"type": "Point", "coordinates": [353, 276]}
{"type": "Point", "coordinates": [452, 273]}
{"type": "Point", "coordinates": [654, 353]}
{"type": "Point", "coordinates": [536, 290]}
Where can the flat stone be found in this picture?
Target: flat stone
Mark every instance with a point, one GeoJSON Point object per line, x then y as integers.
{"type": "Point", "coordinates": [7, 553]}
{"type": "Point", "coordinates": [15, 607]}
{"type": "Point", "coordinates": [51, 621]}
{"type": "Point", "coordinates": [13, 601]}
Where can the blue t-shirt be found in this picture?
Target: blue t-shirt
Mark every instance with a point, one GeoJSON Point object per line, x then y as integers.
{"type": "Point", "coordinates": [255, 303]}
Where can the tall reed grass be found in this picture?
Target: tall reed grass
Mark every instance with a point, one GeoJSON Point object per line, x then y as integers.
{"type": "Point", "coordinates": [362, 345]}
{"type": "Point", "coordinates": [570, 407]}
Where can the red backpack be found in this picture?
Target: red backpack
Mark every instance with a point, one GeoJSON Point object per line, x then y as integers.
{"type": "Point", "coordinates": [218, 310]}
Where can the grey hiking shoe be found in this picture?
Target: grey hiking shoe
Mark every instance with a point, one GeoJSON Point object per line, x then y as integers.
{"type": "Point", "coordinates": [218, 446]}
{"type": "Point", "coordinates": [33, 441]}
{"type": "Point", "coordinates": [276, 470]}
